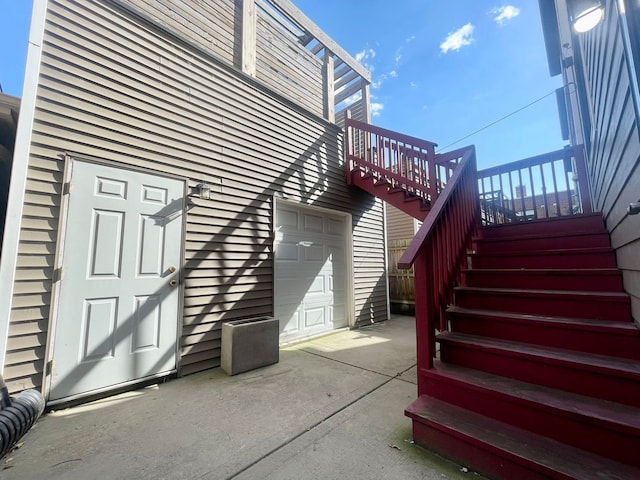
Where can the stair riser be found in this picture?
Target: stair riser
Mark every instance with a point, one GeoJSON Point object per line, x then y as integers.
{"type": "Point", "coordinates": [485, 459]}
{"type": "Point", "coordinates": [591, 223]}
{"type": "Point", "coordinates": [540, 333]}
{"type": "Point", "coordinates": [580, 379]}
{"type": "Point", "coordinates": [541, 304]}
{"type": "Point", "coordinates": [603, 438]}
{"type": "Point", "coordinates": [576, 282]}
{"type": "Point", "coordinates": [543, 243]}
{"type": "Point", "coordinates": [567, 260]}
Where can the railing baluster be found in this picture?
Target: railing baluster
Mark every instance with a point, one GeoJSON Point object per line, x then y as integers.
{"type": "Point", "coordinates": [533, 194]}
{"type": "Point", "coordinates": [555, 188]}
{"type": "Point", "coordinates": [544, 193]}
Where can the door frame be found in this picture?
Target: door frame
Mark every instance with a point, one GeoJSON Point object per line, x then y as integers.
{"type": "Point", "coordinates": [348, 252]}
{"type": "Point", "coordinates": [69, 161]}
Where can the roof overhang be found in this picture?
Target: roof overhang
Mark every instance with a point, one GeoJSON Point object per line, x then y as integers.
{"type": "Point", "coordinates": [551, 34]}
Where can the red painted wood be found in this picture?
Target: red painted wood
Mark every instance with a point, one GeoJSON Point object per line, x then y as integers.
{"type": "Point", "coordinates": [502, 451]}
{"type": "Point", "coordinates": [601, 427]}
{"type": "Point", "coordinates": [594, 280]}
{"type": "Point", "coordinates": [574, 304]}
{"type": "Point", "coordinates": [617, 339]}
{"type": "Point", "coordinates": [537, 243]}
{"type": "Point", "coordinates": [570, 258]}
{"type": "Point", "coordinates": [608, 378]}
{"type": "Point", "coordinates": [582, 223]}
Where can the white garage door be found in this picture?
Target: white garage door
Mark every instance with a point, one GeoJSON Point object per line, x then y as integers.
{"type": "Point", "coordinates": [311, 271]}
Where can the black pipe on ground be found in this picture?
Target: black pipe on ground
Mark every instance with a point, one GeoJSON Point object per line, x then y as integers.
{"type": "Point", "coordinates": [17, 415]}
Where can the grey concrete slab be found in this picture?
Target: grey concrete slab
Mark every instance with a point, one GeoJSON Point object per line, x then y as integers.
{"type": "Point", "coordinates": [368, 440]}
{"type": "Point", "coordinates": [204, 424]}
{"type": "Point", "coordinates": [386, 347]}
{"type": "Point", "coordinates": [332, 408]}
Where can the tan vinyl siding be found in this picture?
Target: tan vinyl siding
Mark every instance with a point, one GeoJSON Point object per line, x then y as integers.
{"type": "Point", "coordinates": [400, 226]}
{"type": "Point", "coordinates": [126, 92]}
{"type": "Point", "coordinates": [614, 159]}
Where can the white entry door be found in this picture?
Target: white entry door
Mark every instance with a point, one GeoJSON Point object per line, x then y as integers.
{"type": "Point", "coordinates": [117, 313]}
{"type": "Point", "coordinates": [311, 271]}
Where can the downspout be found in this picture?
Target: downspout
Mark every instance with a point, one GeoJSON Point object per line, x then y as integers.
{"type": "Point", "coordinates": [19, 172]}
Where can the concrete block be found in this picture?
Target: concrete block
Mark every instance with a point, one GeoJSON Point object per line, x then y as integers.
{"type": "Point", "coordinates": [249, 343]}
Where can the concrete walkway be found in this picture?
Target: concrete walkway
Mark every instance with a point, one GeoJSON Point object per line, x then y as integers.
{"type": "Point", "coordinates": [331, 409]}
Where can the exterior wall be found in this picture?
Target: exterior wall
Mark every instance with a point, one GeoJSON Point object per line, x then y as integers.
{"type": "Point", "coordinates": [117, 88]}
{"type": "Point", "coordinates": [613, 147]}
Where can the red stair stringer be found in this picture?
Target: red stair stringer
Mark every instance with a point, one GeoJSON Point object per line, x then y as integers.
{"type": "Point", "coordinates": [400, 198]}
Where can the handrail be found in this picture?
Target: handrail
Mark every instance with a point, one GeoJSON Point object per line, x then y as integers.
{"type": "Point", "coordinates": [401, 161]}
{"type": "Point", "coordinates": [535, 188]}
{"type": "Point", "coordinates": [438, 252]}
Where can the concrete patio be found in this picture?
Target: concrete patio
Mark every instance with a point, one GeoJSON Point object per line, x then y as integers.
{"type": "Point", "coordinates": [332, 408]}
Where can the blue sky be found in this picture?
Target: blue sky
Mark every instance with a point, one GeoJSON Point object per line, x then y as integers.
{"type": "Point", "coordinates": [441, 69]}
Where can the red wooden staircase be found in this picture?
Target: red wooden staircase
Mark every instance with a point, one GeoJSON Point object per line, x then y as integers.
{"type": "Point", "coordinates": [538, 375]}
{"type": "Point", "coordinates": [535, 370]}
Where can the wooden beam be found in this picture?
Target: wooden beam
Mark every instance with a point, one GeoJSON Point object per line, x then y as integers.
{"type": "Point", "coordinates": [329, 89]}
{"type": "Point", "coordinates": [291, 11]}
{"type": "Point", "coordinates": [366, 102]}
{"type": "Point", "coordinates": [249, 22]}
{"type": "Point", "coordinates": [347, 92]}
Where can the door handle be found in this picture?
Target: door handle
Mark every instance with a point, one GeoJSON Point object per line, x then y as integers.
{"type": "Point", "coordinates": [173, 282]}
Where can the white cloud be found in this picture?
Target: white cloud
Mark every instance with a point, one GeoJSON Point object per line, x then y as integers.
{"type": "Point", "coordinates": [506, 12]}
{"type": "Point", "coordinates": [410, 39]}
{"type": "Point", "coordinates": [397, 58]}
{"type": "Point", "coordinates": [413, 84]}
{"type": "Point", "coordinates": [393, 74]}
{"type": "Point", "coordinates": [458, 39]}
{"type": "Point", "coordinates": [364, 56]}
{"type": "Point", "coordinates": [376, 108]}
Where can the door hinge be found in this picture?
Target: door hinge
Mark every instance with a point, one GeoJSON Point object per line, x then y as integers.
{"type": "Point", "coordinates": [66, 188]}
{"type": "Point", "coordinates": [50, 366]}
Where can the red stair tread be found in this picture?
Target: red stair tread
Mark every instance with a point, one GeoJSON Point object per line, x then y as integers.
{"type": "Point", "coordinates": [543, 253]}
{"type": "Point", "coordinates": [613, 366]}
{"type": "Point", "coordinates": [620, 328]}
{"type": "Point", "coordinates": [537, 236]}
{"type": "Point", "coordinates": [546, 271]}
{"type": "Point", "coordinates": [624, 417]}
{"type": "Point", "coordinates": [604, 296]}
{"type": "Point", "coordinates": [525, 448]}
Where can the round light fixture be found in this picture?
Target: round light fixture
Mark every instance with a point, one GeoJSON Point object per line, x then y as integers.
{"type": "Point", "coordinates": [589, 18]}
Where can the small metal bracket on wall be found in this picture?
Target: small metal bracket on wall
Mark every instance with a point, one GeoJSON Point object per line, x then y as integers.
{"type": "Point", "coordinates": [634, 208]}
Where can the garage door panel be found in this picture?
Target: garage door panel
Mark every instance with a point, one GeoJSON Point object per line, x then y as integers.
{"type": "Point", "coordinates": [313, 223]}
{"type": "Point", "coordinates": [336, 227]}
{"type": "Point", "coordinates": [288, 252]}
{"type": "Point", "coordinates": [314, 253]}
{"type": "Point", "coordinates": [287, 219]}
{"type": "Point", "coordinates": [315, 316]}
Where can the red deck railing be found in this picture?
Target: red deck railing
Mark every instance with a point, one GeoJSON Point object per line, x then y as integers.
{"type": "Point", "coordinates": [545, 186]}
{"type": "Point", "coordinates": [400, 160]}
